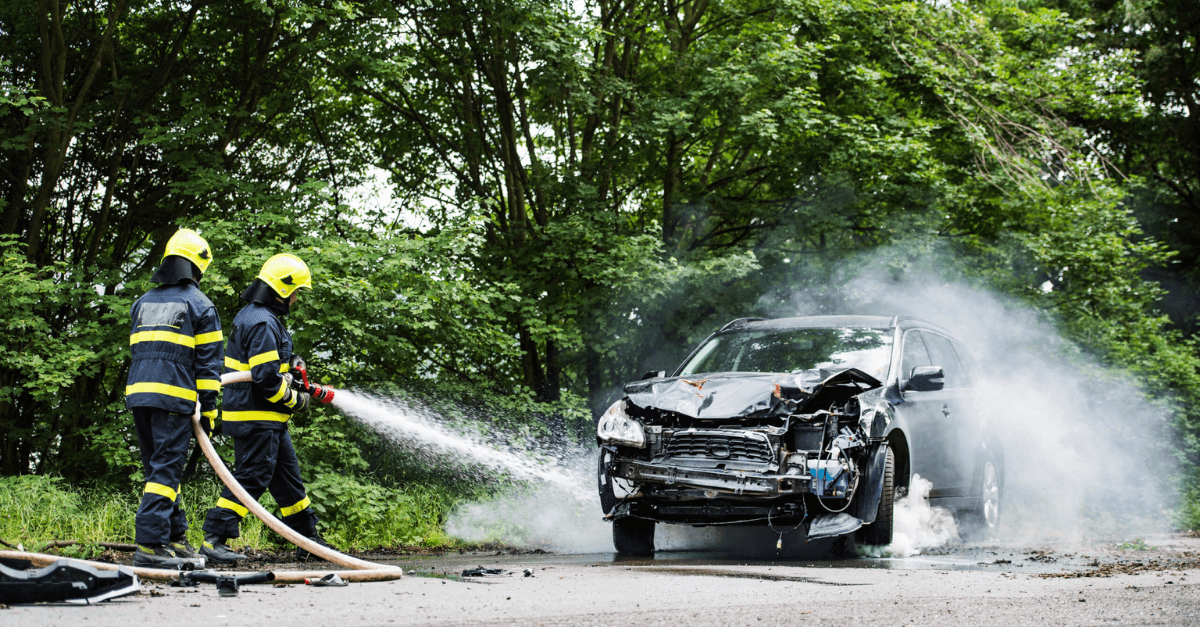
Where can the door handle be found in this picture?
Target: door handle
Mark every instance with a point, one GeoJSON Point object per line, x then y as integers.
{"type": "Point", "coordinates": [946, 410]}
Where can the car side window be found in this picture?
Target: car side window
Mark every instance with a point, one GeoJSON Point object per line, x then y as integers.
{"type": "Point", "coordinates": [914, 354]}
{"type": "Point", "coordinates": [970, 366]}
{"type": "Point", "coordinates": [943, 355]}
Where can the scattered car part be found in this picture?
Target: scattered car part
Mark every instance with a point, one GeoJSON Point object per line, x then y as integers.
{"type": "Point", "coordinates": [830, 525]}
{"type": "Point", "coordinates": [485, 572]}
{"type": "Point", "coordinates": [330, 580]}
{"type": "Point", "coordinates": [65, 580]}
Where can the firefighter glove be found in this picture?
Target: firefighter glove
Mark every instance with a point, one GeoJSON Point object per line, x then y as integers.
{"type": "Point", "coordinates": [297, 401]}
{"type": "Point", "coordinates": [208, 422]}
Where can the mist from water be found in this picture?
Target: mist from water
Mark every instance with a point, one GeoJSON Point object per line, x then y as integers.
{"type": "Point", "coordinates": [916, 525]}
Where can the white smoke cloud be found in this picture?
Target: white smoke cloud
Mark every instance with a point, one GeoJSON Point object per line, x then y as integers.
{"type": "Point", "coordinates": [1087, 455]}
{"type": "Point", "coordinates": [916, 525]}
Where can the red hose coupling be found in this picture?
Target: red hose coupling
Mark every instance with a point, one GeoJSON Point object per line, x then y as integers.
{"type": "Point", "coordinates": [322, 393]}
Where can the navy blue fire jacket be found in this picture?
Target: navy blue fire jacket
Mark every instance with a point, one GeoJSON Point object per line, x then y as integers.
{"type": "Point", "coordinates": [258, 343]}
{"type": "Point", "coordinates": [176, 345]}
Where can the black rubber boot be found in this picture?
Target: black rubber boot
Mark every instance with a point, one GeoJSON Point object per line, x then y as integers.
{"type": "Point", "coordinates": [182, 548]}
{"type": "Point", "coordinates": [217, 552]}
{"type": "Point", "coordinates": [155, 556]}
{"type": "Point", "coordinates": [304, 556]}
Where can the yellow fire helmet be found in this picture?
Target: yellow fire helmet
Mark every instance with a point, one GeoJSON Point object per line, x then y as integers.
{"type": "Point", "coordinates": [188, 244]}
{"type": "Point", "coordinates": [285, 273]}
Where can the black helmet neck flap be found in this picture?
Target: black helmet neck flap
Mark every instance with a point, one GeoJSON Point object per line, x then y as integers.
{"type": "Point", "coordinates": [261, 293]}
{"type": "Point", "coordinates": [175, 269]}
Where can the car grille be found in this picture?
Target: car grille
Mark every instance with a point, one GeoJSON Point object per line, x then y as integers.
{"type": "Point", "coordinates": [717, 445]}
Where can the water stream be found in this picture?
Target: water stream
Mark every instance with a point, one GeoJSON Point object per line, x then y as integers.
{"type": "Point", "coordinates": [558, 510]}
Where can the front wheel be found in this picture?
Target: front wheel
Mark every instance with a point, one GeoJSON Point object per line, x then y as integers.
{"type": "Point", "coordinates": [982, 523]}
{"type": "Point", "coordinates": [633, 536]}
{"type": "Point", "coordinates": [879, 533]}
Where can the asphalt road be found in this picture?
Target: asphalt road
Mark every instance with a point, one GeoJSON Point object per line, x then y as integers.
{"type": "Point", "coordinates": [964, 585]}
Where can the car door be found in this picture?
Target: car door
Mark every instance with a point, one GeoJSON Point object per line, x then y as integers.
{"type": "Point", "coordinates": [930, 446]}
{"type": "Point", "coordinates": [956, 415]}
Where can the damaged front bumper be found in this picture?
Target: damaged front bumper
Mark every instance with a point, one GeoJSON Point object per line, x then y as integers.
{"type": "Point", "coordinates": [719, 482]}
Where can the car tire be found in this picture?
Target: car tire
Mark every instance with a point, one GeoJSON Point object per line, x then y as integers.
{"type": "Point", "coordinates": [982, 523]}
{"type": "Point", "coordinates": [879, 533]}
{"type": "Point", "coordinates": [633, 536]}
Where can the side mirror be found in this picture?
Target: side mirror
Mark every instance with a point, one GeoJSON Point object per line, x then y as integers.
{"type": "Point", "coordinates": [926, 379]}
{"type": "Point", "coordinates": [657, 374]}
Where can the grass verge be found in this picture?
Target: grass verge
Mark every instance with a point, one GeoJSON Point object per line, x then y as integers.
{"type": "Point", "coordinates": [35, 510]}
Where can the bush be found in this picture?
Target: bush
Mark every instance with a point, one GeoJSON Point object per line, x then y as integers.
{"type": "Point", "coordinates": [358, 514]}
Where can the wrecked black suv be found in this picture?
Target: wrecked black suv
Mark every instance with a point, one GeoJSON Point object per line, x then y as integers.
{"type": "Point", "coordinates": [816, 421]}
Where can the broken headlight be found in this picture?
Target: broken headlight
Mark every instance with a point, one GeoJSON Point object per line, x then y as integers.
{"type": "Point", "coordinates": [617, 427]}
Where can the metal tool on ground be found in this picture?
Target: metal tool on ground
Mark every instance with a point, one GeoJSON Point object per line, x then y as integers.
{"type": "Point", "coordinates": [189, 580]}
{"type": "Point", "coordinates": [362, 570]}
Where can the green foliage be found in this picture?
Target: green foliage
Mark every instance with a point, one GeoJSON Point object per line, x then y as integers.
{"type": "Point", "coordinates": [1138, 544]}
{"type": "Point", "coordinates": [569, 194]}
{"type": "Point", "coordinates": [362, 515]}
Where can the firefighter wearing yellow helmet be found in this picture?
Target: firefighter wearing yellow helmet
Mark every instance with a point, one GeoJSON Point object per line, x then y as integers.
{"type": "Point", "coordinates": [176, 348]}
{"type": "Point", "coordinates": [256, 413]}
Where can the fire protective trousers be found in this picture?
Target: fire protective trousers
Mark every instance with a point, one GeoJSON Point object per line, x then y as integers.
{"type": "Point", "coordinates": [163, 439]}
{"type": "Point", "coordinates": [264, 460]}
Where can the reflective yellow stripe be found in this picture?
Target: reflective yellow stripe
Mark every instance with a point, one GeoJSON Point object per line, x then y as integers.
{"type": "Point", "coordinates": [264, 358]}
{"type": "Point", "coordinates": [278, 395]}
{"type": "Point", "coordinates": [228, 504]}
{"type": "Point", "coordinates": [291, 402]}
{"type": "Point", "coordinates": [283, 367]}
{"type": "Point", "coordinates": [163, 336]}
{"type": "Point", "coordinates": [161, 388]}
{"type": "Point", "coordinates": [209, 414]}
{"type": "Point", "coordinates": [208, 384]}
{"type": "Point", "coordinates": [161, 490]}
{"type": "Point", "coordinates": [298, 507]}
{"type": "Point", "coordinates": [209, 338]}
{"type": "Point", "coordinates": [234, 364]}
{"type": "Point", "coordinates": [243, 416]}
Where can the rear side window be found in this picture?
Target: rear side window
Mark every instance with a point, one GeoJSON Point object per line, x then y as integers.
{"type": "Point", "coordinates": [971, 367]}
{"type": "Point", "coordinates": [943, 355]}
{"type": "Point", "coordinates": [914, 354]}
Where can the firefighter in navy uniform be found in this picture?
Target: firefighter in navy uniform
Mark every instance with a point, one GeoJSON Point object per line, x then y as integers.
{"type": "Point", "coordinates": [176, 346]}
{"type": "Point", "coordinates": [256, 413]}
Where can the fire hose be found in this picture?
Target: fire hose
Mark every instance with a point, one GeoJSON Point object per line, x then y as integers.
{"type": "Point", "coordinates": [362, 570]}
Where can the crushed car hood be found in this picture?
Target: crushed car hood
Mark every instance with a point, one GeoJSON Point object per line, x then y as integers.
{"type": "Point", "coordinates": [735, 394]}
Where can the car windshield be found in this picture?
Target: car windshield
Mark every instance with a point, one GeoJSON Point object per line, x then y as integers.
{"type": "Point", "coordinates": [822, 351]}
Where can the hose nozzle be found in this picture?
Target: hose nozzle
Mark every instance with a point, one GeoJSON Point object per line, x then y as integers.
{"type": "Point", "coordinates": [319, 393]}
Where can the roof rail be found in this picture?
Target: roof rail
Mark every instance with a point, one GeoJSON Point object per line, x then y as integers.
{"type": "Point", "coordinates": [738, 321]}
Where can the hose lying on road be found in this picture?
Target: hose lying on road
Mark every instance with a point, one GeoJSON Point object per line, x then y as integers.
{"type": "Point", "coordinates": [362, 569]}
{"type": "Point", "coordinates": [381, 573]}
